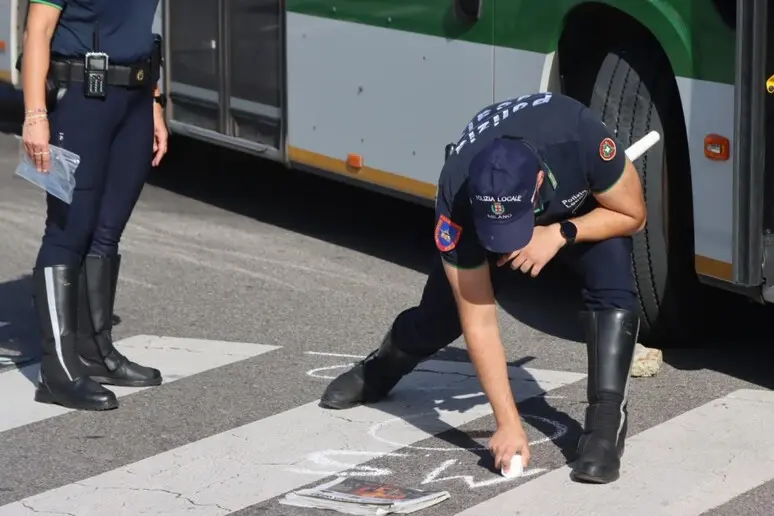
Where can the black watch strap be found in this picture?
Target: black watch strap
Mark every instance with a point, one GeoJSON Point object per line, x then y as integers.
{"type": "Point", "coordinates": [161, 100]}
{"type": "Point", "coordinates": [569, 231]}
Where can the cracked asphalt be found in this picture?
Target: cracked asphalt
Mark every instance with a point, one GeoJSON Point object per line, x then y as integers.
{"type": "Point", "coordinates": [232, 248]}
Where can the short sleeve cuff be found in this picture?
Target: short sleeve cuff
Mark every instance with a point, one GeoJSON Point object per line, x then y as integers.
{"type": "Point", "coordinates": [59, 4]}
{"type": "Point", "coordinates": [453, 261]}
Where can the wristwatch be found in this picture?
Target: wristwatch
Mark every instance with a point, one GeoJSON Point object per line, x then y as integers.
{"type": "Point", "coordinates": [161, 100]}
{"type": "Point", "coordinates": [569, 231]}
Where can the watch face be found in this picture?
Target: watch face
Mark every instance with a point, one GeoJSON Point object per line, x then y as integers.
{"type": "Point", "coordinates": [569, 230]}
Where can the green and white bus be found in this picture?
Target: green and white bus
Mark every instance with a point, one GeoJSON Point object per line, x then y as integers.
{"type": "Point", "coordinates": [371, 91]}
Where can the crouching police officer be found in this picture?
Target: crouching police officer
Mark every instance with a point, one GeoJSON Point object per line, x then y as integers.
{"type": "Point", "coordinates": [100, 61]}
{"type": "Point", "coordinates": [530, 178]}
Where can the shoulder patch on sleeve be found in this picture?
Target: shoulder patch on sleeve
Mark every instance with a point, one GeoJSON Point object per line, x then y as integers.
{"type": "Point", "coordinates": [607, 149]}
{"type": "Point", "coordinates": [447, 234]}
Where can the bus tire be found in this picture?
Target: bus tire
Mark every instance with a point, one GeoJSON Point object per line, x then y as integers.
{"type": "Point", "coordinates": [633, 96]}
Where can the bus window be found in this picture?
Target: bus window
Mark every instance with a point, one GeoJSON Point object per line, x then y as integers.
{"type": "Point", "coordinates": [255, 72]}
{"type": "Point", "coordinates": [193, 60]}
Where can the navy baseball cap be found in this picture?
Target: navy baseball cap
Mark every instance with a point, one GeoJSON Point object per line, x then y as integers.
{"type": "Point", "coordinates": [502, 185]}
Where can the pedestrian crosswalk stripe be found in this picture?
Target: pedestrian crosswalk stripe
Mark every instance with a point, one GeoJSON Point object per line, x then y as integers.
{"type": "Point", "coordinates": [686, 466]}
{"type": "Point", "coordinates": [176, 358]}
{"type": "Point", "coordinates": [253, 463]}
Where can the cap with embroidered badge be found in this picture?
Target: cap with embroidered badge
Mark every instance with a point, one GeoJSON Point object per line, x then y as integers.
{"type": "Point", "coordinates": [502, 185]}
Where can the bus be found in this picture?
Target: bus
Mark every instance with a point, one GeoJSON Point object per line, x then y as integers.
{"type": "Point", "coordinates": [371, 92]}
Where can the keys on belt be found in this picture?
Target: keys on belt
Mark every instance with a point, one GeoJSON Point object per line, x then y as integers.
{"type": "Point", "coordinates": [65, 71]}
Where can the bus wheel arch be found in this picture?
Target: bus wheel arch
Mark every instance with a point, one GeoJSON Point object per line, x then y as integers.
{"type": "Point", "coordinates": [626, 77]}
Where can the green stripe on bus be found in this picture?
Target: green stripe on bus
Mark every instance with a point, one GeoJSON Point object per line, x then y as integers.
{"type": "Point", "coordinates": [699, 44]}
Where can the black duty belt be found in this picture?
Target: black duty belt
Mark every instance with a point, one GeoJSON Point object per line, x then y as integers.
{"type": "Point", "coordinates": [65, 71]}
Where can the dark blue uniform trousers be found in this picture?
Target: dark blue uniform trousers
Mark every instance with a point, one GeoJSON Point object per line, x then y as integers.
{"type": "Point", "coordinates": [76, 271]}
{"type": "Point", "coordinates": [604, 268]}
{"type": "Point", "coordinates": [114, 139]}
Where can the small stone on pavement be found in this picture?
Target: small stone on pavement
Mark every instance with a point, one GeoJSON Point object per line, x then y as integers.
{"type": "Point", "coordinates": [647, 361]}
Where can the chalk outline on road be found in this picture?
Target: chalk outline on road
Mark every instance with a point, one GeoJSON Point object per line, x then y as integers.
{"type": "Point", "coordinates": [246, 465]}
{"type": "Point", "coordinates": [321, 458]}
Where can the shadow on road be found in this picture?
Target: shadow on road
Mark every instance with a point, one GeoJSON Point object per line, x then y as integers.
{"type": "Point", "coordinates": [19, 327]}
{"type": "Point", "coordinates": [401, 232]}
{"type": "Point", "coordinates": [372, 223]}
{"type": "Point", "coordinates": [535, 405]}
{"type": "Point", "coordinates": [19, 331]}
{"type": "Point", "coordinates": [737, 341]}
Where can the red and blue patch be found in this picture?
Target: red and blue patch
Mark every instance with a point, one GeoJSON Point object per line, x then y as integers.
{"type": "Point", "coordinates": [447, 234]}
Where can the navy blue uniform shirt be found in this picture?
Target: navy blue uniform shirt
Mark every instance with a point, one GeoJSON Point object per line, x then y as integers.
{"type": "Point", "coordinates": [580, 156]}
{"type": "Point", "coordinates": [125, 28]}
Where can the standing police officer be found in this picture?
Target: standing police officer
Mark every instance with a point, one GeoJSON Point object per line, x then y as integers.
{"type": "Point", "coordinates": [529, 179]}
{"type": "Point", "coordinates": [101, 60]}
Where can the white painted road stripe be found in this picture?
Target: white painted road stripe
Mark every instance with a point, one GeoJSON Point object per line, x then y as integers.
{"type": "Point", "coordinates": [683, 467]}
{"type": "Point", "coordinates": [256, 462]}
{"type": "Point", "coordinates": [176, 358]}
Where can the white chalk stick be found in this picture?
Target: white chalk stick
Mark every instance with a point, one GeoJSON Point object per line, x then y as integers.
{"type": "Point", "coordinates": [639, 147]}
{"type": "Point", "coordinates": [517, 468]}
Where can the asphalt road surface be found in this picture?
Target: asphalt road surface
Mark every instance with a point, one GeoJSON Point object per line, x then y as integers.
{"type": "Point", "coordinates": [251, 286]}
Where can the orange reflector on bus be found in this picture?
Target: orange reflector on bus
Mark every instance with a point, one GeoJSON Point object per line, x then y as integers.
{"type": "Point", "coordinates": [2, 45]}
{"type": "Point", "coordinates": [716, 147]}
{"type": "Point", "coordinates": [355, 161]}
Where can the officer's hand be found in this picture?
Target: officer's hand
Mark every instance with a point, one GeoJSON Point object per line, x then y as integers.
{"type": "Point", "coordinates": [160, 135]}
{"type": "Point", "coordinates": [506, 442]}
{"type": "Point", "coordinates": [35, 137]}
{"type": "Point", "coordinates": [546, 242]}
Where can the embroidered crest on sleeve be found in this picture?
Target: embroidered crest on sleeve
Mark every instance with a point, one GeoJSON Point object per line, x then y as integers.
{"type": "Point", "coordinates": [607, 149]}
{"type": "Point", "coordinates": [447, 234]}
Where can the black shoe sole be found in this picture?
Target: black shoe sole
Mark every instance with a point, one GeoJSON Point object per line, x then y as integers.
{"type": "Point", "coordinates": [590, 479]}
{"type": "Point", "coordinates": [104, 380]}
{"type": "Point", "coordinates": [46, 397]}
{"type": "Point", "coordinates": [329, 404]}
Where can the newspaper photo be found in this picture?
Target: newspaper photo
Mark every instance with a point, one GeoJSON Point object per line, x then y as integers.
{"type": "Point", "coordinates": [355, 496]}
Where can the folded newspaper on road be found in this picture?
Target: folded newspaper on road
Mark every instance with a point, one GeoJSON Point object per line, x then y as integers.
{"type": "Point", "coordinates": [355, 496]}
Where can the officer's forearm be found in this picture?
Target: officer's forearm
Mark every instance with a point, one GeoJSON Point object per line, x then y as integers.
{"type": "Point", "coordinates": [601, 224]}
{"type": "Point", "coordinates": [475, 300]}
{"type": "Point", "coordinates": [488, 356]}
{"type": "Point", "coordinates": [35, 62]}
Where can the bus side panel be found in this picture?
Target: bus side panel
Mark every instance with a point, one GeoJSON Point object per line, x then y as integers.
{"type": "Point", "coordinates": [395, 98]}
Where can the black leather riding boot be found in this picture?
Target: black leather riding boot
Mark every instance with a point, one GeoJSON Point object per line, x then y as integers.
{"type": "Point", "coordinates": [99, 358]}
{"type": "Point", "coordinates": [610, 337]}
{"type": "Point", "coordinates": [371, 379]}
{"type": "Point", "coordinates": [61, 380]}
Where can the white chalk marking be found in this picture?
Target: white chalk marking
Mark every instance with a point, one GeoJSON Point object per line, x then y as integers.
{"type": "Point", "coordinates": [433, 476]}
{"type": "Point", "coordinates": [408, 431]}
{"type": "Point", "coordinates": [138, 282]}
{"type": "Point", "coordinates": [175, 358]}
{"type": "Point", "coordinates": [323, 458]}
{"type": "Point", "coordinates": [244, 466]}
{"type": "Point", "coordinates": [3, 323]}
{"type": "Point", "coordinates": [686, 466]}
{"type": "Point", "coordinates": [340, 355]}
{"type": "Point", "coordinates": [314, 373]}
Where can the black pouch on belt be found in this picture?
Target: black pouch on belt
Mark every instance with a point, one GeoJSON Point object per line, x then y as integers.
{"type": "Point", "coordinates": [54, 91]}
{"type": "Point", "coordinates": [156, 58]}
